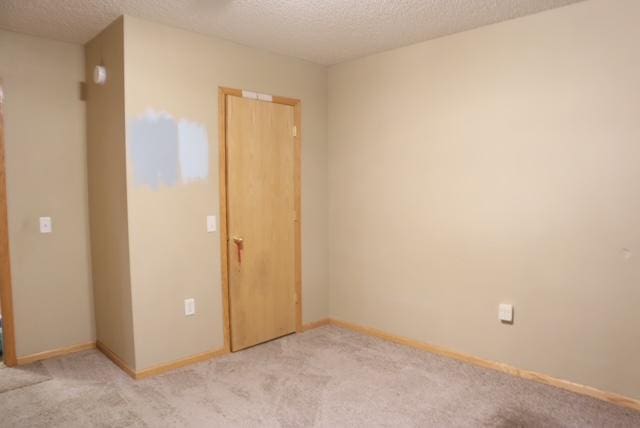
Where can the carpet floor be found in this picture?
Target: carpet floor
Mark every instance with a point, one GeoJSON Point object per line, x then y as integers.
{"type": "Point", "coordinates": [327, 377]}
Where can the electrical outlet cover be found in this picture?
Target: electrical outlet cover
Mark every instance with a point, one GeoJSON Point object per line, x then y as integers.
{"type": "Point", "coordinates": [505, 312]}
{"type": "Point", "coordinates": [189, 307]}
{"type": "Point", "coordinates": [46, 225]}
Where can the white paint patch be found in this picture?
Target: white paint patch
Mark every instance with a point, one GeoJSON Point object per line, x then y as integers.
{"type": "Point", "coordinates": [193, 151]}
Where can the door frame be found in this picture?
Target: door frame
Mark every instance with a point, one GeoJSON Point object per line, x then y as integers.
{"type": "Point", "coordinates": [223, 92]}
{"type": "Point", "coordinates": [6, 294]}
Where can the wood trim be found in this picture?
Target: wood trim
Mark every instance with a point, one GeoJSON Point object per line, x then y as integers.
{"type": "Point", "coordinates": [163, 368]}
{"type": "Point", "coordinates": [283, 100]}
{"type": "Point", "coordinates": [160, 368]}
{"type": "Point", "coordinates": [115, 359]}
{"type": "Point", "coordinates": [28, 359]}
{"type": "Point", "coordinates": [222, 144]}
{"type": "Point", "coordinates": [297, 190]}
{"type": "Point", "coordinates": [609, 397]}
{"type": "Point", "coordinates": [316, 324]}
{"type": "Point", "coordinates": [224, 234]}
{"type": "Point", "coordinates": [6, 294]}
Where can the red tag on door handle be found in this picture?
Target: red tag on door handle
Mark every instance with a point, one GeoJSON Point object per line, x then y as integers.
{"type": "Point", "coordinates": [239, 246]}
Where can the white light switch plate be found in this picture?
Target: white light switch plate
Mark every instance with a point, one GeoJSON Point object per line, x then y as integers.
{"type": "Point", "coordinates": [505, 312]}
{"type": "Point", "coordinates": [189, 307]}
{"type": "Point", "coordinates": [45, 225]}
{"type": "Point", "coordinates": [211, 223]}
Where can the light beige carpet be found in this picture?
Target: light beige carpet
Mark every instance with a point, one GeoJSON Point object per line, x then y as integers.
{"type": "Point", "coordinates": [327, 377]}
{"type": "Point", "coordinates": [22, 376]}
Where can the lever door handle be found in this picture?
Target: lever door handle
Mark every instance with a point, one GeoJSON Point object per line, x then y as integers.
{"type": "Point", "coordinates": [240, 246]}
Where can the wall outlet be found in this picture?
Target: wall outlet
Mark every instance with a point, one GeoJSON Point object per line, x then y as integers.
{"type": "Point", "coordinates": [46, 226]}
{"type": "Point", "coordinates": [505, 312]}
{"type": "Point", "coordinates": [189, 307]}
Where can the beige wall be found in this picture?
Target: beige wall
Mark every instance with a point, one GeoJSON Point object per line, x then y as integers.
{"type": "Point", "coordinates": [108, 193]}
{"type": "Point", "coordinates": [46, 176]}
{"type": "Point", "coordinates": [172, 256]}
{"type": "Point", "coordinates": [496, 165]}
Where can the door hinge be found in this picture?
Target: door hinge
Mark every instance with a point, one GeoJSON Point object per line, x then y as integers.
{"type": "Point", "coordinates": [294, 131]}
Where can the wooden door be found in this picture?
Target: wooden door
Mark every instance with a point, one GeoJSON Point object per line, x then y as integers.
{"type": "Point", "coordinates": [260, 220]}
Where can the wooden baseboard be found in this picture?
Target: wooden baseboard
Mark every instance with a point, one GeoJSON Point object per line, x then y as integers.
{"type": "Point", "coordinates": [27, 359]}
{"type": "Point", "coordinates": [115, 359]}
{"type": "Point", "coordinates": [163, 368]}
{"type": "Point", "coordinates": [609, 397]}
{"type": "Point", "coordinates": [316, 324]}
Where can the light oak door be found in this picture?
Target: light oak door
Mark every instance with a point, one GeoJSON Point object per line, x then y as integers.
{"type": "Point", "coordinates": [261, 220]}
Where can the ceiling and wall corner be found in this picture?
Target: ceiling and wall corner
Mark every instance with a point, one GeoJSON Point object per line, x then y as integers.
{"type": "Point", "coordinates": [321, 31]}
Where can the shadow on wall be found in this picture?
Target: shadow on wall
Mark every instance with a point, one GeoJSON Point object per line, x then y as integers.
{"type": "Point", "coordinates": [166, 151]}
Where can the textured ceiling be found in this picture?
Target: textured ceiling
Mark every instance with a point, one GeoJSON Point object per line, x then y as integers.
{"type": "Point", "coordinates": [322, 31]}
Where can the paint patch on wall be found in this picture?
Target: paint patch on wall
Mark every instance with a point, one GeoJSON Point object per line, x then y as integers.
{"type": "Point", "coordinates": [154, 150]}
{"type": "Point", "coordinates": [165, 151]}
{"type": "Point", "coordinates": [193, 151]}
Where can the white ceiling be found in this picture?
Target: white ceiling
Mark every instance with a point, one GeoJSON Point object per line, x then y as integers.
{"type": "Point", "coordinates": [322, 31]}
